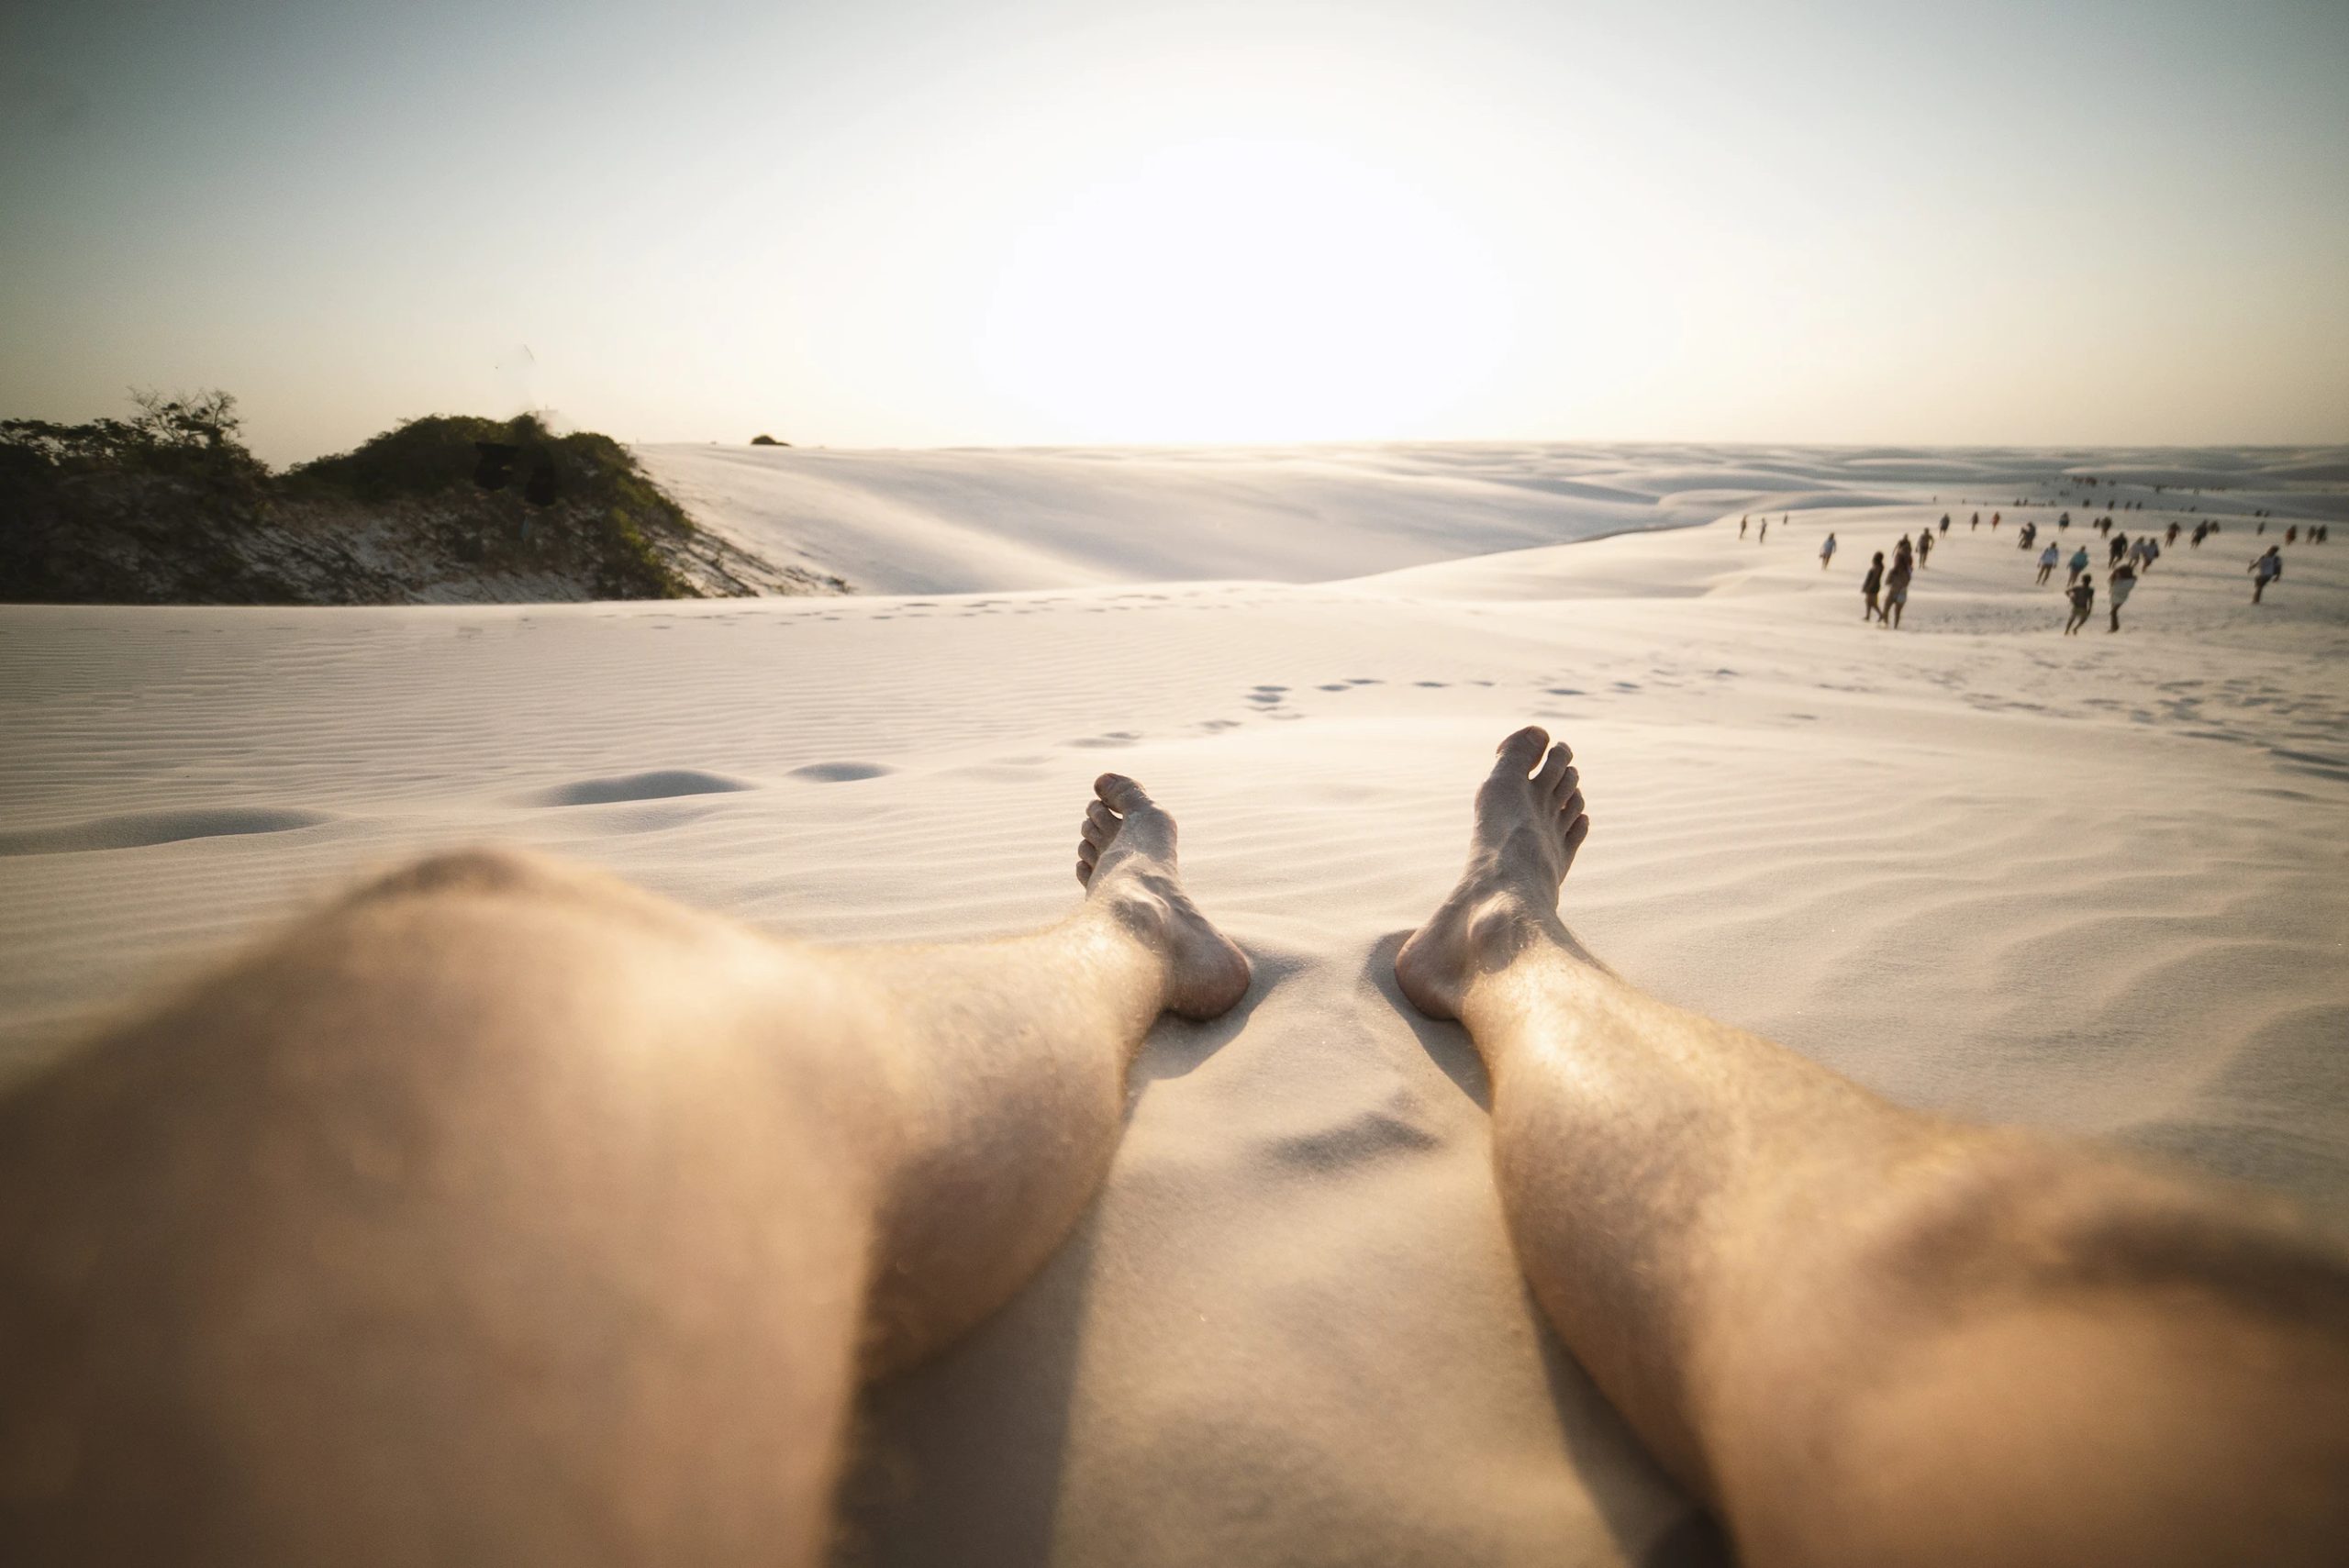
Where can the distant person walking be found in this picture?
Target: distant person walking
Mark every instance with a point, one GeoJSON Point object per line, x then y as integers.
{"type": "Point", "coordinates": [2123, 583]}
{"type": "Point", "coordinates": [2173, 534]}
{"type": "Point", "coordinates": [2047, 560]}
{"type": "Point", "coordinates": [1763, 536]}
{"type": "Point", "coordinates": [2120, 548]}
{"type": "Point", "coordinates": [1740, 526]}
{"type": "Point", "coordinates": [1925, 547]}
{"type": "Point", "coordinates": [1976, 526]}
{"type": "Point", "coordinates": [2083, 596]}
{"type": "Point", "coordinates": [1826, 552]}
{"type": "Point", "coordinates": [2264, 571]}
{"type": "Point", "coordinates": [1944, 522]}
{"type": "Point", "coordinates": [2078, 563]}
{"type": "Point", "coordinates": [1994, 521]}
{"type": "Point", "coordinates": [1869, 586]}
{"type": "Point", "coordinates": [1895, 594]}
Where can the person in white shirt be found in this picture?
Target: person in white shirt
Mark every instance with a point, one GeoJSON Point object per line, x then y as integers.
{"type": "Point", "coordinates": [2264, 571]}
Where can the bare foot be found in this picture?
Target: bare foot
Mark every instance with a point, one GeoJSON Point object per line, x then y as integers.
{"type": "Point", "coordinates": [1529, 822]}
{"type": "Point", "coordinates": [1126, 861]}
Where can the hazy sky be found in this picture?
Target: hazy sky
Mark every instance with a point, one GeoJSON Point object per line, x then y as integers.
{"type": "Point", "coordinates": [916, 222]}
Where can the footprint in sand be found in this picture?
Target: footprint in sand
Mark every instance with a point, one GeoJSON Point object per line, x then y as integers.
{"type": "Point", "coordinates": [1267, 696]}
{"type": "Point", "coordinates": [663, 784]}
{"type": "Point", "coordinates": [841, 773]}
{"type": "Point", "coordinates": [1115, 737]}
{"type": "Point", "coordinates": [1213, 725]}
{"type": "Point", "coordinates": [1564, 691]}
{"type": "Point", "coordinates": [140, 830]}
{"type": "Point", "coordinates": [1438, 685]}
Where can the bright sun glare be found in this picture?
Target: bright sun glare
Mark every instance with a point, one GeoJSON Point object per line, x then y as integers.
{"type": "Point", "coordinates": [1245, 290]}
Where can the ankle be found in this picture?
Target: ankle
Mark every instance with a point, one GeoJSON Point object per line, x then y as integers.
{"type": "Point", "coordinates": [1509, 941]}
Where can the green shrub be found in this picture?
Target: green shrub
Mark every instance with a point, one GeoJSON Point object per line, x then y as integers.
{"type": "Point", "coordinates": [190, 436]}
{"type": "Point", "coordinates": [418, 457]}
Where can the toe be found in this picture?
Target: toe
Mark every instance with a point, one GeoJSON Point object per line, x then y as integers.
{"type": "Point", "coordinates": [1520, 751]}
{"type": "Point", "coordinates": [1553, 769]}
{"type": "Point", "coordinates": [1088, 853]}
{"type": "Point", "coordinates": [1100, 820]}
{"type": "Point", "coordinates": [1121, 793]}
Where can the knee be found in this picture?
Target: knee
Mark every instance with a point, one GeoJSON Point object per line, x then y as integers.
{"type": "Point", "coordinates": [475, 870]}
{"type": "Point", "coordinates": [2042, 1219]}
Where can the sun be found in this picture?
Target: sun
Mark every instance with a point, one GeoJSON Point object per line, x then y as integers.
{"type": "Point", "coordinates": [1245, 290]}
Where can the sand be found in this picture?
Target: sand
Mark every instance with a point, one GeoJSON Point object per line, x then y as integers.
{"type": "Point", "coordinates": [2098, 885]}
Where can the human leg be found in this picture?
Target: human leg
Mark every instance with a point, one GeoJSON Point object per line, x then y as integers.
{"type": "Point", "coordinates": [1866, 1335]}
{"type": "Point", "coordinates": [506, 1213]}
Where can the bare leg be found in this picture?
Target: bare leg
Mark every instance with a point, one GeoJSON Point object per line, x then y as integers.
{"type": "Point", "coordinates": [507, 1214]}
{"type": "Point", "coordinates": [1867, 1336]}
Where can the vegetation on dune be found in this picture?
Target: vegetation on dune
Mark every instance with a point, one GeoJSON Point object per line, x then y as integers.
{"type": "Point", "coordinates": [170, 507]}
{"type": "Point", "coordinates": [442, 455]}
{"type": "Point", "coordinates": [192, 436]}
{"type": "Point", "coordinates": [764, 439]}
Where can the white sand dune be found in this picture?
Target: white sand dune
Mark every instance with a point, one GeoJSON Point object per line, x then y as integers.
{"type": "Point", "coordinates": [2098, 884]}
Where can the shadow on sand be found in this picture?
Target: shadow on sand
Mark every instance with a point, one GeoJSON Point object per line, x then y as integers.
{"type": "Point", "coordinates": [959, 1460]}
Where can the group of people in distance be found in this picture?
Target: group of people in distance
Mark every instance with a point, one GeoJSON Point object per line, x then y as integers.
{"type": "Point", "coordinates": [1884, 589]}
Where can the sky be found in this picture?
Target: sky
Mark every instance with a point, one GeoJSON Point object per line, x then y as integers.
{"type": "Point", "coordinates": [920, 223]}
